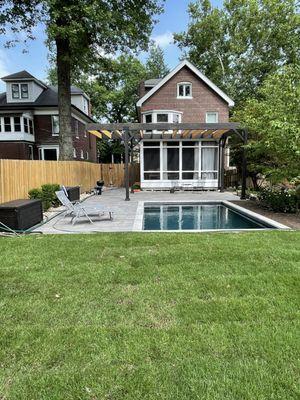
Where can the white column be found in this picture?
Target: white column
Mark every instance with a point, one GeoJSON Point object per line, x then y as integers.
{"type": "Point", "coordinates": [180, 160]}
{"type": "Point", "coordinates": [142, 161]}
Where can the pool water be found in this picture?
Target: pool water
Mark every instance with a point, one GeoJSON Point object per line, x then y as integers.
{"type": "Point", "coordinates": [195, 217]}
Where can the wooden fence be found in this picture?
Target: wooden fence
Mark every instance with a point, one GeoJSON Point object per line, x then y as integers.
{"type": "Point", "coordinates": [17, 177]}
{"type": "Point", "coordinates": [233, 179]}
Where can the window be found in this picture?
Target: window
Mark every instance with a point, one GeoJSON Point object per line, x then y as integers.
{"type": "Point", "coordinates": [74, 152]}
{"type": "Point", "coordinates": [55, 125]}
{"type": "Point", "coordinates": [76, 129]}
{"type": "Point", "coordinates": [212, 117]}
{"type": "Point", "coordinates": [148, 118]}
{"type": "Point", "coordinates": [184, 90]}
{"type": "Point", "coordinates": [209, 160]}
{"type": "Point", "coordinates": [24, 90]}
{"type": "Point", "coordinates": [19, 90]}
{"type": "Point", "coordinates": [15, 91]}
{"type": "Point", "coordinates": [30, 152]}
{"type": "Point", "coordinates": [152, 161]}
{"type": "Point", "coordinates": [26, 126]}
{"type": "Point", "coordinates": [162, 117]}
{"type": "Point", "coordinates": [31, 126]}
{"type": "Point", "coordinates": [85, 105]}
{"type": "Point", "coordinates": [7, 124]}
{"type": "Point", "coordinates": [87, 155]}
{"type": "Point", "coordinates": [180, 160]}
{"type": "Point", "coordinates": [17, 124]}
{"type": "Point", "coordinates": [48, 153]}
{"type": "Point", "coordinates": [81, 154]}
{"type": "Point", "coordinates": [176, 118]}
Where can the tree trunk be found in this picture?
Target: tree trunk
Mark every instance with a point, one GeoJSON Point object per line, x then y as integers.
{"type": "Point", "coordinates": [63, 61]}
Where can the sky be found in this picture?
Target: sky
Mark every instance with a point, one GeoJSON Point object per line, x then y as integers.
{"type": "Point", "coordinates": [34, 60]}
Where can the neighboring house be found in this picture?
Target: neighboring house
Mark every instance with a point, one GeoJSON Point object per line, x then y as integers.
{"type": "Point", "coordinates": [184, 95]}
{"type": "Point", "coordinates": [29, 122]}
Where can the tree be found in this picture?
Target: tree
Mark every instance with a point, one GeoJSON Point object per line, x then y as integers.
{"type": "Point", "coordinates": [274, 123]}
{"type": "Point", "coordinates": [238, 46]}
{"type": "Point", "coordinates": [112, 86]}
{"type": "Point", "coordinates": [155, 63]}
{"type": "Point", "coordinates": [82, 31]}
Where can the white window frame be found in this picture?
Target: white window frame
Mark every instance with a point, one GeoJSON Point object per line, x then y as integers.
{"type": "Point", "coordinates": [185, 84]}
{"type": "Point", "coordinates": [52, 125]}
{"type": "Point", "coordinates": [81, 154]}
{"type": "Point", "coordinates": [11, 122]}
{"type": "Point", "coordinates": [210, 113]}
{"type": "Point", "coordinates": [76, 128]}
{"type": "Point", "coordinates": [197, 171]}
{"type": "Point", "coordinates": [87, 155]}
{"type": "Point", "coordinates": [74, 153]}
{"type": "Point", "coordinates": [154, 113]}
{"type": "Point", "coordinates": [17, 92]}
{"type": "Point", "coordinates": [43, 148]}
{"type": "Point", "coordinates": [20, 92]}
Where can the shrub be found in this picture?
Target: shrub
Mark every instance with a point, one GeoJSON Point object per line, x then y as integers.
{"type": "Point", "coordinates": [46, 194]}
{"type": "Point", "coordinates": [279, 200]}
{"type": "Point", "coordinates": [49, 190]}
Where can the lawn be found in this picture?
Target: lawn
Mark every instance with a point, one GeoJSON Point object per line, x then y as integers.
{"type": "Point", "coordinates": [150, 316]}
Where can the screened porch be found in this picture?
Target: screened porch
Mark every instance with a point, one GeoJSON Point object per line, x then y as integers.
{"type": "Point", "coordinates": [169, 163]}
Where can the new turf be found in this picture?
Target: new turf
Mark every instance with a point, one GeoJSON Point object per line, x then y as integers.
{"type": "Point", "coordinates": [150, 316]}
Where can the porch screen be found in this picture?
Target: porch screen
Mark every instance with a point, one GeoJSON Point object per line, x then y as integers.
{"type": "Point", "coordinates": [151, 160]}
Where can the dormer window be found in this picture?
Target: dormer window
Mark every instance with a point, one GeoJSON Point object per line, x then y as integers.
{"type": "Point", "coordinates": [24, 91]}
{"type": "Point", "coordinates": [19, 90]}
{"type": "Point", "coordinates": [184, 90]}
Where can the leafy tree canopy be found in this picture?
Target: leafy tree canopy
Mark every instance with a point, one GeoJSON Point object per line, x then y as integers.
{"type": "Point", "coordinates": [155, 65]}
{"type": "Point", "coordinates": [82, 33]}
{"type": "Point", "coordinates": [239, 45]}
{"type": "Point", "coordinates": [274, 123]}
{"type": "Point", "coordinates": [112, 83]}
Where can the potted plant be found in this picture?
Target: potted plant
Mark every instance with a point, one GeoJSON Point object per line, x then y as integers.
{"type": "Point", "coordinates": [136, 187]}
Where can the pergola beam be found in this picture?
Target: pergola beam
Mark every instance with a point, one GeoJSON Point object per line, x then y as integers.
{"type": "Point", "coordinates": [133, 127]}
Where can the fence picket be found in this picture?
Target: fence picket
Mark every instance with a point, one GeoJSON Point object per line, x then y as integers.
{"type": "Point", "coordinates": [17, 177]}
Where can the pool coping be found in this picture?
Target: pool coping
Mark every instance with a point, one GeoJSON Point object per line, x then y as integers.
{"type": "Point", "coordinates": [274, 225]}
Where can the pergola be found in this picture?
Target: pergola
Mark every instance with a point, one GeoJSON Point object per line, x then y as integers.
{"type": "Point", "coordinates": [135, 132]}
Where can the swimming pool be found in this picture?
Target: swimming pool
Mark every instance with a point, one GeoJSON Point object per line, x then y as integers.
{"type": "Point", "coordinates": [199, 216]}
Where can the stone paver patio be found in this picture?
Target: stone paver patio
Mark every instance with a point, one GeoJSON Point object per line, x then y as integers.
{"type": "Point", "coordinates": [124, 211]}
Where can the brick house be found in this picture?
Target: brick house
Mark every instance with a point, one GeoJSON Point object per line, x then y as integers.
{"type": "Point", "coordinates": [184, 95]}
{"type": "Point", "coordinates": [29, 124]}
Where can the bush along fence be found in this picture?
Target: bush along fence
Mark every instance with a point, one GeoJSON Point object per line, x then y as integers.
{"type": "Point", "coordinates": [18, 177]}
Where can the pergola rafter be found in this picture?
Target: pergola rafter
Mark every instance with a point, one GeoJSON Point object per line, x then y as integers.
{"type": "Point", "coordinates": [170, 131]}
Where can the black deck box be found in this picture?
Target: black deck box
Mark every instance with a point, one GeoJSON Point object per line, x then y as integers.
{"type": "Point", "coordinates": [73, 193]}
{"type": "Point", "coordinates": [21, 214]}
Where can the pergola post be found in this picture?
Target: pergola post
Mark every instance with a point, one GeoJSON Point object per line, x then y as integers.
{"type": "Point", "coordinates": [126, 139]}
{"type": "Point", "coordinates": [244, 166]}
{"type": "Point", "coordinates": [222, 170]}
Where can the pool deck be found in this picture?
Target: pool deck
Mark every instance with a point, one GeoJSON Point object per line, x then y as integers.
{"type": "Point", "coordinates": [124, 211]}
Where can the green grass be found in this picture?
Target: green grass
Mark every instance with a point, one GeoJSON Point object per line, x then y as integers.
{"type": "Point", "coordinates": [150, 316]}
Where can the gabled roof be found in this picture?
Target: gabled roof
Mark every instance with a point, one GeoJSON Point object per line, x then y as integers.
{"type": "Point", "coordinates": [18, 75]}
{"type": "Point", "coordinates": [23, 76]}
{"type": "Point", "coordinates": [186, 63]}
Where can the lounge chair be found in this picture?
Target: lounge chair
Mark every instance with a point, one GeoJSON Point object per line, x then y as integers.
{"type": "Point", "coordinates": [78, 210]}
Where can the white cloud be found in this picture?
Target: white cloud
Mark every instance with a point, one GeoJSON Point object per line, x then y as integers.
{"type": "Point", "coordinates": [163, 40]}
